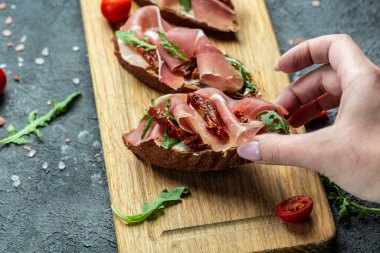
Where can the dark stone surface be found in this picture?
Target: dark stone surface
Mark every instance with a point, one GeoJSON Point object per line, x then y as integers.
{"type": "Point", "coordinates": [67, 210]}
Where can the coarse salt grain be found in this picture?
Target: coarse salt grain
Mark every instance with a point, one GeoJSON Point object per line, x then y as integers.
{"type": "Point", "coordinates": [75, 48]}
{"type": "Point", "coordinates": [20, 59]}
{"type": "Point", "coordinates": [45, 165]}
{"type": "Point", "coordinates": [13, 6]}
{"type": "Point", "coordinates": [45, 51]}
{"type": "Point", "coordinates": [61, 165]}
{"type": "Point", "coordinates": [3, 6]}
{"type": "Point", "coordinates": [39, 61]}
{"type": "Point", "coordinates": [19, 48]}
{"type": "Point", "coordinates": [16, 180]}
{"type": "Point", "coordinates": [316, 3]}
{"type": "Point", "coordinates": [67, 140]}
{"type": "Point", "coordinates": [32, 153]}
{"type": "Point", "coordinates": [20, 64]}
{"type": "Point", "coordinates": [3, 65]}
{"type": "Point", "coordinates": [7, 33]}
{"type": "Point", "coordinates": [76, 80]}
{"type": "Point", "coordinates": [9, 44]}
{"type": "Point", "coordinates": [2, 121]}
{"type": "Point", "coordinates": [23, 38]}
{"type": "Point", "coordinates": [8, 21]}
{"type": "Point", "coordinates": [27, 148]}
{"type": "Point", "coordinates": [17, 78]}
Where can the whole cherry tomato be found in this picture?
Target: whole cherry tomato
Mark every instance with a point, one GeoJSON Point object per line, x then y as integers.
{"type": "Point", "coordinates": [3, 81]}
{"type": "Point", "coordinates": [115, 10]}
{"type": "Point", "coordinates": [295, 209]}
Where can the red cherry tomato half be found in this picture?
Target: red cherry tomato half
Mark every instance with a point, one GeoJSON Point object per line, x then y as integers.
{"type": "Point", "coordinates": [295, 209]}
{"type": "Point", "coordinates": [115, 10]}
{"type": "Point", "coordinates": [3, 81]}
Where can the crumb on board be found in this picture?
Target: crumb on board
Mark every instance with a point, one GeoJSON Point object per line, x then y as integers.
{"type": "Point", "coordinates": [19, 48]}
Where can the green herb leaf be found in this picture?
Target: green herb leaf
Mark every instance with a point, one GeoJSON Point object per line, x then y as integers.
{"type": "Point", "coordinates": [131, 39]}
{"type": "Point", "coordinates": [164, 199]}
{"type": "Point", "coordinates": [346, 206]}
{"type": "Point", "coordinates": [169, 142]}
{"type": "Point", "coordinates": [172, 49]}
{"type": "Point", "coordinates": [275, 122]}
{"type": "Point", "coordinates": [34, 122]}
{"type": "Point", "coordinates": [248, 86]}
{"type": "Point", "coordinates": [148, 123]}
{"type": "Point", "coordinates": [146, 110]}
{"type": "Point", "coordinates": [167, 112]}
{"type": "Point", "coordinates": [186, 4]}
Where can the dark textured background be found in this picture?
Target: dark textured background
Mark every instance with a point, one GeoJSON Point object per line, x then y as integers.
{"type": "Point", "coordinates": [67, 210]}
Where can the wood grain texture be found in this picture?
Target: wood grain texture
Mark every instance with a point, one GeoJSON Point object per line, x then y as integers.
{"type": "Point", "coordinates": [228, 211]}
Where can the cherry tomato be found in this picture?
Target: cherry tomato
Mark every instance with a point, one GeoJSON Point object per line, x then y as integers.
{"type": "Point", "coordinates": [295, 209]}
{"type": "Point", "coordinates": [115, 10]}
{"type": "Point", "coordinates": [3, 81]}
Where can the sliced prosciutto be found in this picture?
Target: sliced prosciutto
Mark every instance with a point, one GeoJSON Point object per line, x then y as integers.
{"type": "Point", "coordinates": [207, 117]}
{"type": "Point", "coordinates": [204, 63]}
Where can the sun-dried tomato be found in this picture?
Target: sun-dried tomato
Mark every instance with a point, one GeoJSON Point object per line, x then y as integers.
{"type": "Point", "coordinates": [241, 117]}
{"type": "Point", "coordinates": [150, 56]}
{"type": "Point", "coordinates": [208, 111]}
{"type": "Point", "coordinates": [186, 69]}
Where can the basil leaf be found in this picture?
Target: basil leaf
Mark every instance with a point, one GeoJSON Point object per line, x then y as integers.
{"type": "Point", "coordinates": [148, 123]}
{"type": "Point", "coordinates": [186, 4]}
{"type": "Point", "coordinates": [169, 142]}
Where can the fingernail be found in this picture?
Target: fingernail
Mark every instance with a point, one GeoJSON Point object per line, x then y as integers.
{"type": "Point", "coordinates": [276, 67]}
{"type": "Point", "coordinates": [250, 151]}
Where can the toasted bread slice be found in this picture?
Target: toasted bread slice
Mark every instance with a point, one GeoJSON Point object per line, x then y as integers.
{"type": "Point", "coordinates": [179, 18]}
{"type": "Point", "coordinates": [177, 159]}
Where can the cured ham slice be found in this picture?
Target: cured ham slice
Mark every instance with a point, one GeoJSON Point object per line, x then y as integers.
{"type": "Point", "coordinates": [214, 13]}
{"type": "Point", "coordinates": [214, 70]}
{"type": "Point", "coordinates": [189, 119]}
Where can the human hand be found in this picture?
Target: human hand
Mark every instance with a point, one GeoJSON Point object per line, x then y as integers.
{"type": "Point", "coordinates": [347, 152]}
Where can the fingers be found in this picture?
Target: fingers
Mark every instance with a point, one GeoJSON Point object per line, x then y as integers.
{"type": "Point", "coordinates": [309, 111]}
{"type": "Point", "coordinates": [339, 50]}
{"type": "Point", "coordinates": [309, 87]}
{"type": "Point", "coordinates": [302, 150]}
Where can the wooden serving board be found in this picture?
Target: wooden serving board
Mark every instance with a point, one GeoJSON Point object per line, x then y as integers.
{"type": "Point", "coordinates": [228, 211]}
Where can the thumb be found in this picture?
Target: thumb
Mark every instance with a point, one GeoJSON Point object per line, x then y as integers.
{"type": "Point", "coordinates": [301, 150]}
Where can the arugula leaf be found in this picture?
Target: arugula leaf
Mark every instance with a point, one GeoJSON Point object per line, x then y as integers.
{"type": "Point", "coordinates": [186, 4]}
{"type": "Point", "coordinates": [167, 112]}
{"type": "Point", "coordinates": [148, 123]}
{"type": "Point", "coordinates": [275, 122]}
{"type": "Point", "coordinates": [34, 122]}
{"type": "Point", "coordinates": [346, 206]}
{"type": "Point", "coordinates": [131, 39]}
{"type": "Point", "coordinates": [172, 49]}
{"type": "Point", "coordinates": [248, 86]}
{"type": "Point", "coordinates": [169, 142]}
{"type": "Point", "coordinates": [146, 114]}
{"type": "Point", "coordinates": [164, 199]}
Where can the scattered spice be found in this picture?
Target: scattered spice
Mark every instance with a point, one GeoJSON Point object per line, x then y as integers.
{"type": "Point", "coordinates": [298, 40]}
{"type": "Point", "coordinates": [16, 180]}
{"type": "Point", "coordinates": [10, 45]}
{"type": "Point", "coordinates": [75, 48]}
{"type": "Point", "coordinates": [2, 121]}
{"type": "Point", "coordinates": [45, 165]}
{"type": "Point", "coordinates": [316, 3]}
{"type": "Point", "coordinates": [61, 165]}
{"type": "Point", "coordinates": [7, 33]}
{"type": "Point", "coordinates": [67, 140]}
{"type": "Point", "coordinates": [8, 21]}
{"type": "Point", "coordinates": [39, 61]}
{"type": "Point", "coordinates": [32, 153]}
{"type": "Point", "coordinates": [19, 48]}
{"type": "Point", "coordinates": [16, 78]}
{"type": "Point", "coordinates": [3, 6]}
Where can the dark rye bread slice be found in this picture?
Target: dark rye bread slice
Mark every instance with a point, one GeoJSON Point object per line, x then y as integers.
{"type": "Point", "coordinates": [149, 76]}
{"type": "Point", "coordinates": [202, 161]}
{"type": "Point", "coordinates": [176, 17]}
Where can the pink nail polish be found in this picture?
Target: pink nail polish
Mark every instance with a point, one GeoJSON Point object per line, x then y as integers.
{"type": "Point", "coordinates": [276, 67]}
{"type": "Point", "coordinates": [250, 151]}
